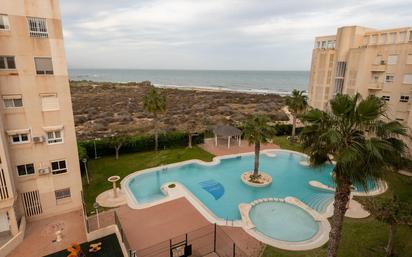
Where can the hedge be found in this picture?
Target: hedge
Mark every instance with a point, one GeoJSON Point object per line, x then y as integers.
{"type": "Point", "coordinates": [141, 143]}
{"type": "Point", "coordinates": [286, 129]}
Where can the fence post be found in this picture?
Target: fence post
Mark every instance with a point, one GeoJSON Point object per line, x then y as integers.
{"type": "Point", "coordinates": [234, 250]}
{"type": "Point", "coordinates": [214, 239]}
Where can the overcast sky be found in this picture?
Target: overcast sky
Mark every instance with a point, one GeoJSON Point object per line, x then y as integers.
{"type": "Point", "coordinates": [213, 34]}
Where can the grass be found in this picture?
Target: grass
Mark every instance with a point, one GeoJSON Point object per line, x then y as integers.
{"type": "Point", "coordinates": [366, 237]}
{"type": "Point", "coordinates": [103, 168]}
{"type": "Point", "coordinates": [285, 143]}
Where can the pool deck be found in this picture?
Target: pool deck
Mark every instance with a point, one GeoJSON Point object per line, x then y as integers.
{"type": "Point", "coordinates": [150, 226]}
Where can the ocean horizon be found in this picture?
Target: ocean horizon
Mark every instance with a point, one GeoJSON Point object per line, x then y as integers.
{"type": "Point", "coordinates": [253, 81]}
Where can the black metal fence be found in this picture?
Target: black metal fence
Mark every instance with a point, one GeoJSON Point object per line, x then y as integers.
{"type": "Point", "coordinates": [203, 241]}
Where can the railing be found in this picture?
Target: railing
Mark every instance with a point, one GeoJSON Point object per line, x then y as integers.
{"type": "Point", "coordinates": [4, 192]}
{"type": "Point", "coordinates": [203, 241]}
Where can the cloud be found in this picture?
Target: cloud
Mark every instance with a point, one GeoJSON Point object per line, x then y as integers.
{"type": "Point", "coordinates": [213, 34]}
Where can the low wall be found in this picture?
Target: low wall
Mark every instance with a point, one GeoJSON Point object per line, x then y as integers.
{"type": "Point", "coordinates": [14, 241]}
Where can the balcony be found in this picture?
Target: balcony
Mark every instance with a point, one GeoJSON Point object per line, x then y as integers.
{"type": "Point", "coordinates": [378, 67]}
{"type": "Point", "coordinates": [375, 86]}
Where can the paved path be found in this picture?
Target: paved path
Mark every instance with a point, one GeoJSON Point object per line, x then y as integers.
{"type": "Point", "coordinates": [40, 234]}
{"type": "Point", "coordinates": [222, 149]}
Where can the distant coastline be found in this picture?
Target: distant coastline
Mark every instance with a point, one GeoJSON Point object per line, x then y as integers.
{"type": "Point", "coordinates": [254, 82]}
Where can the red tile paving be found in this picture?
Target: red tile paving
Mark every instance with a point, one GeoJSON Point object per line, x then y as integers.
{"type": "Point", "coordinates": [40, 234]}
{"type": "Point", "coordinates": [222, 149]}
{"type": "Point", "coordinates": [156, 225]}
{"type": "Point", "coordinates": [147, 227]}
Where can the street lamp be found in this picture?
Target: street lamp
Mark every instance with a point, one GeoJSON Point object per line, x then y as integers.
{"type": "Point", "coordinates": [96, 206]}
{"type": "Point", "coordinates": [87, 172]}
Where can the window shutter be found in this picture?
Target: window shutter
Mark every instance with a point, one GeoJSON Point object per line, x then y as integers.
{"type": "Point", "coordinates": [43, 64]}
{"type": "Point", "coordinates": [392, 59]}
{"type": "Point", "coordinates": [407, 79]}
{"type": "Point", "coordinates": [409, 59]}
{"type": "Point", "coordinates": [50, 102]}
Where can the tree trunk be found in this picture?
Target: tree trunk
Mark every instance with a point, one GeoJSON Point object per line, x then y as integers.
{"type": "Point", "coordinates": [293, 127]}
{"type": "Point", "coordinates": [156, 133]}
{"type": "Point", "coordinates": [190, 140]}
{"type": "Point", "coordinates": [117, 149]}
{"type": "Point", "coordinates": [257, 153]}
{"type": "Point", "coordinates": [391, 239]}
{"type": "Point", "coordinates": [342, 195]}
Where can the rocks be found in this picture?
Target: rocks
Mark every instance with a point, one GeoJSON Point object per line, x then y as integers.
{"type": "Point", "coordinates": [102, 108]}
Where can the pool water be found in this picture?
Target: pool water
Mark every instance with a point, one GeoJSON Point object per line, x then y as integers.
{"type": "Point", "coordinates": [283, 221]}
{"type": "Point", "coordinates": [221, 190]}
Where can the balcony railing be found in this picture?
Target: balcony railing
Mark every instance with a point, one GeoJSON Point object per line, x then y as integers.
{"type": "Point", "coordinates": [4, 191]}
{"type": "Point", "coordinates": [375, 86]}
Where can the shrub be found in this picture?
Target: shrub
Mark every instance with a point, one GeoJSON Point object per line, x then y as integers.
{"type": "Point", "coordinates": [141, 143]}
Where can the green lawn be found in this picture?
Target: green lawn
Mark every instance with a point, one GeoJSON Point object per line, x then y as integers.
{"type": "Point", "coordinates": [102, 168]}
{"type": "Point", "coordinates": [366, 237]}
{"type": "Point", "coordinates": [284, 143]}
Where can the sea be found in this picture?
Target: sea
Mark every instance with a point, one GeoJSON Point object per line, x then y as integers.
{"type": "Point", "coordinates": [276, 82]}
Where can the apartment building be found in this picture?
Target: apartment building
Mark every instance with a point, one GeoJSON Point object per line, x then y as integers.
{"type": "Point", "coordinates": [39, 166]}
{"type": "Point", "coordinates": [366, 61]}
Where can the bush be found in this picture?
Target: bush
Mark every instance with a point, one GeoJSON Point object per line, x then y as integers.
{"type": "Point", "coordinates": [285, 130]}
{"type": "Point", "coordinates": [141, 143]}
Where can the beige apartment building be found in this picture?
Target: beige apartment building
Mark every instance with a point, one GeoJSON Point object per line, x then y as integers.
{"type": "Point", "coordinates": [366, 61]}
{"type": "Point", "coordinates": [39, 166]}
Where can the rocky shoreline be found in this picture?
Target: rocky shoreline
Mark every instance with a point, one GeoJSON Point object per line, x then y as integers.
{"type": "Point", "coordinates": [102, 109]}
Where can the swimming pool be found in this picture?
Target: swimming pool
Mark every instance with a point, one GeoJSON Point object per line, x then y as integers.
{"type": "Point", "coordinates": [220, 189]}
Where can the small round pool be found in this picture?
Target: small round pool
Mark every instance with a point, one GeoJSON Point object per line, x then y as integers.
{"type": "Point", "coordinates": [283, 221]}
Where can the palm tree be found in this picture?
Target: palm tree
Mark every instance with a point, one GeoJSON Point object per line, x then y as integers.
{"type": "Point", "coordinates": [257, 131]}
{"type": "Point", "coordinates": [297, 103]}
{"type": "Point", "coordinates": [393, 212]}
{"type": "Point", "coordinates": [355, 133]}
{"type": "Point", "coordinates": [155, 103]}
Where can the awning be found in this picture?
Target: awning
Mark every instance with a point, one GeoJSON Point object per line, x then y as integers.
{"type": "Point", "coordinates": [17, 132]}
{"type": "Point", "coordinates": [53, 128]}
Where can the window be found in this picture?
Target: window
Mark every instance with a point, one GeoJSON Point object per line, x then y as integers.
{"type": "Point", "coordinates": [37, 27]}
{"type": "Point", "coordinates": [404, 99]}
{"type": "Point", "coordinates": [378, 59]}
{"type": "Point", "coordinates": [19, 139]}
{"type": "Point", "coordinates": [386, 98]}
{"type": "Point", "coordinates": [402, 36]}
{"type": "Point", "coordinates": [7, 63]}
{"type": "Point", "coordinates": [389, 78]}
{"type": "Point", "coordinates": [392, 59]}
{"type": "Point", "coordinates": [374, 39]}
{"type": "Point", "coordinates": [25, 169]}
{"type": "Point", "coordinates": [407, 79]}
{"type": "Point", "coordinates": [54, 137]}
{"type": "Point", "coordinates": [59, 167]}
{"type": "Point", "coordinates": [410, 35]}
{"type": "Point", "coordinates": [62, 193]}
{"type": "Point", "coordinates": [4, 22]}
{"type": "Point", "coordinates": [317, 44]}
{"type": "Point", "coordinates": [50, 102]}
{"type": "Point", "coordinates": [409, 59]}
{"type": "Point", "coordinates": [331, 44]}
{"type": "Point", "coordinates": [392, 38]}
{"type": "Point", "coordinates": [12, 101]}
{"type": "Point", "coordinates": [43, 65]}
{"type": "Point", "coordinates": [382, 38]}
{"type": "Point", "coordinates": [323, 44]}
{"type": "Point", "coordinates": [365, 40]}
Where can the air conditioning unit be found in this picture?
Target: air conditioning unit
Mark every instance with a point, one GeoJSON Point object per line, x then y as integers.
{"type": "Point", "coordinates": [39, 139]}
{"type": "Point", "coordinates": [44, 171]}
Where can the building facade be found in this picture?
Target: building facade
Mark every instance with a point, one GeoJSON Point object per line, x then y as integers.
{"type": "Point", "coordinates": [39, 166]}
{"type": "Point", "coordinates": [366, 61]}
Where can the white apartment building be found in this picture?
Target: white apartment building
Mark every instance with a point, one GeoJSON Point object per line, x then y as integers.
{"type": "Point", "coordinates": [39, 166]}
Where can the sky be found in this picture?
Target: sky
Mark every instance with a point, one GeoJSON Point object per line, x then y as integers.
{"type": "Point", "coordinates": [213, 34]}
